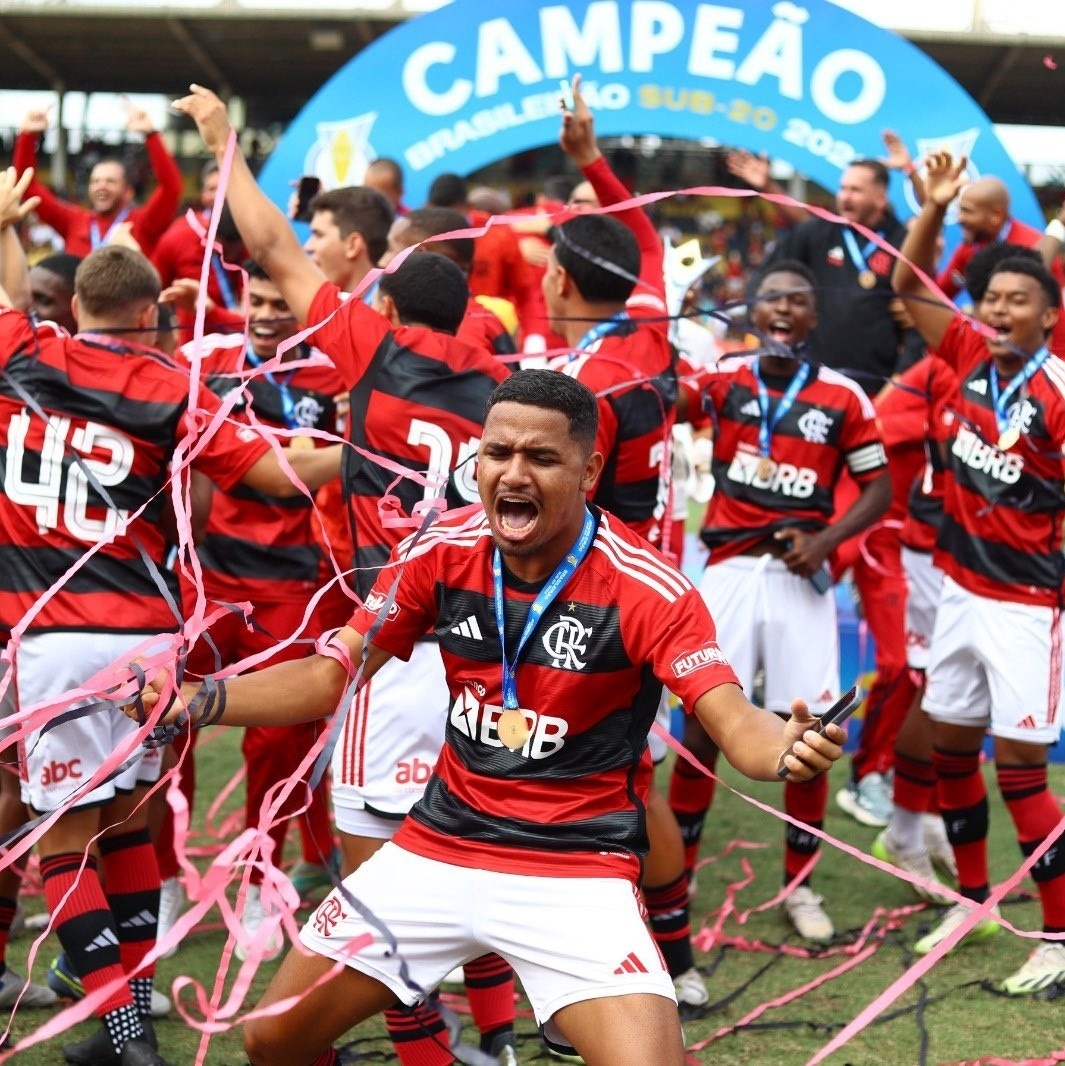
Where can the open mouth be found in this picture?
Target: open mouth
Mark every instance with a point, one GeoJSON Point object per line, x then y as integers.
{"type": "Point", "coordinates": [517, 517]}
{"type": "Point", "coordinates": [264, 332]}
{"type": "Point", "coordinates": [781, 330]}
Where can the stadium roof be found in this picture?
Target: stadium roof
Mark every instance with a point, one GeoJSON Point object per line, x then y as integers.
{"type": "Point", "coordinates": [276, 53]}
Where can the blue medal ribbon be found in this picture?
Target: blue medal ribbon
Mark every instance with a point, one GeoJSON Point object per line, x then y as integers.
{"type": "Point", "coordinates": [1000, 401]}
{"type": "Point", "coordinates": [219, 272]}
{"type": "Point", "coordinates": [787, 401]}
{"type": "Point", "coordinates": [857, 256]}
{"type": "Point", "coordinates": [598, 332]}
{"type": "Point", "coordinates": [94, 229]}
{"type": "Point", "coordinates": [288, 404]}
{"type": "Point", "coordinates": [544, 598]}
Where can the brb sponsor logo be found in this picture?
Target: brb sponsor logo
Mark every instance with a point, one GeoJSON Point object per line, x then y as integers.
{"type": "Point", "coordinates": [480, 722]}
{"type": "Point", "coordinates": [985, 458]}
{"type": "Point", "coordinates": [798, 482]}
{"type": "Point", "coordinates": [55, 773]}
{"type": "Point", "coordinates": [708, 655]}
{"type": "Point", "coordinates": [376, 600]}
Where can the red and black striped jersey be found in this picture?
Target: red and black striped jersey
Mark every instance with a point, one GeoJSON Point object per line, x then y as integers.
{"type": "Point", "coordinates": [914, 412]}
{"type": "Point", "coordinates": [632, 374]}
{"type": "Point", "coordinates": [570, 802]}
{"type": "Point", "coordinates": [1001, 534]}
{"type": "Point", "coordinates": [831, 423]}
{"type": "Point", "coordinates": [122, 409]}
{"type": "Point", "coordinates": [417, 400]}
{"type": "Point", "coordinates": [261, 547]}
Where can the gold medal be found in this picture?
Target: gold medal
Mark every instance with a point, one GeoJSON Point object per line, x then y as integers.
{"type": "Point", "coordinates": [867, 279]}
{"type": "Point", "coordinates": [513, 729]}
{"type": "Point", "coordinates": [1009, 438]}
{"type": "Point", "coordinates": [765, 468]}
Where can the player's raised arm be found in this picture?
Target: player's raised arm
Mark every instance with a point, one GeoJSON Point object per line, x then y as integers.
{"type": "Point", "coordinates": [266, 233]}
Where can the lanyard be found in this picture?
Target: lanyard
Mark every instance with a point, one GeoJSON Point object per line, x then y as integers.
{"type": "Point", "coordinates": [770, 420]}
{"type": "Point", "coordinates": [857, 257]}
{"type": "Point", "coordinates": [288, 404]}
{"type": "Point", "coordinates": [94, 229]}
{"type": "Point", "coordinates": [598, 332]}
{"type": "Point", "coordinates": [544, 598]}
{"type": "Point", "coordinates": [224, 286]}
{"type": "Point", "coordinates": [1000, 401]}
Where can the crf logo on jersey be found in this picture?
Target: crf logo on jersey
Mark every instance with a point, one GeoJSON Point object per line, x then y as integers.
{"type": "Point", "coordinates": [376, 600]}
{"type": "Point", "coordinates": [307, 412]}
{"type": "Point", "coordinates": [986, 458]}
{"type": "Point", "coordinates": [1021, 415]}
{"type": "Point", "coordinates": [708, 655]}
{"type": "Point", "coordinates": [479, 722]}
{"type": "Point", "coordinates": [565, 641]}
{"type": "Point", "coordinates": [54, 773]}
{"type": "Point", "coordinates": [814, 426]}
{"type": "Point", "coordinates": [798, 482]}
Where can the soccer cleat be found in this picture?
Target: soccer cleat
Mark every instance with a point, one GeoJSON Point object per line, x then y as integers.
{"type": "Point", "coordinates": [804, 911]}
{"type": "Point", "coordinates": [12, 986]}
{"type": "Point", "coordinates": [939, 849]}
{"type": "Point", "coordinates": [918, 863]}
{"type": "Point", "coordinates": [251, 920]}
{"type": "Point", "coordinates": [139, 1053]}
{"type": "Point", "coordinates": [171, 904]}
{"type": "Point", "coordinates": [868, 801]}
{"type": "Point", "coordinates": [1045, 967]}
{"type": "Point", "coordinates": [62, 979]}
{"type": "Point", "coordinates": [472, 1056]}
{"type": "Point", "coordinates": [691, 989]}
{"type": "Point", "coordinates": [98, 1050]}
{"type": "Point", "coordinates": [951, 920]}
{"type": "Point", "coordinates": [503, 1049]}
{"type": "Point", "coordinates": [306, 876]}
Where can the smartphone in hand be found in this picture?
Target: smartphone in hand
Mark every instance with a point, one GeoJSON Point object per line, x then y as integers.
{"type": "Point", "coordinates": [309, 188]}
{"type": "Point", "coordinates": [837, 714]}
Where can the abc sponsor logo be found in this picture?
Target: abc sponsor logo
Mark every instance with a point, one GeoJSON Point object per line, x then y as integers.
{"type": "Point", "coordinates": [54, 773]}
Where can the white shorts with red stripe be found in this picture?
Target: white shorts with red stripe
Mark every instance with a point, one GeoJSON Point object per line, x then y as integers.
{"type": "Point", "coordinates": [996, 664]}
{"type": "Point", "coordinates": [924, 582]}
{"type": "Point", "coordinates": [568, 938]}
{"type": "Point", "coordinates": [767, 616]}
{"type": "Point", "coordinates": [59, 760]}
{"type": "Point", "coordinates": [391, 739]}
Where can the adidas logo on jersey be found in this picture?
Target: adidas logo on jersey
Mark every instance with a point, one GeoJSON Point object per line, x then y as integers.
{"type": "Point", "coordinates": [751, 408]}
{"type": "Point", "coordinates": [980, 386]}
{"type": "Point", "coordinates": [469, 629]}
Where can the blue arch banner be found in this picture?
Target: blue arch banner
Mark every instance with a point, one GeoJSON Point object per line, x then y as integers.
{"type": "Point", "coordinates": [469, 84]}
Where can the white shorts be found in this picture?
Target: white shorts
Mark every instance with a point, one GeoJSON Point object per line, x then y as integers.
{"type": "Point", "coordinates": [924, 583]}
{"type": "Point", "coordinates": [765, 615]}
{"type": "Point", "coordinates": [568, 939]}
{"type": "Point", "coordinates": [58, 760]}
{"type": "Point", "coordinates": [996, 663]}
{"type": "Point", "coordinates": [391, 737]}
{"type": "Point", "coordinates": [8, 706]}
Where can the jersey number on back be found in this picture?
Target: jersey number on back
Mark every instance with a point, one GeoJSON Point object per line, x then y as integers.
{"type": "Point", "coordinates": [441, 454]}
{"type": "Point", "coordinates": [49, 490]}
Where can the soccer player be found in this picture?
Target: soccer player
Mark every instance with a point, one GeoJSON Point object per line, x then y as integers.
{"type": "Point", "coordinates": [996, 646]}
{"type": "Point", "coordinates": [417, 393]}
{"type": "Point", "coordinates": [105, 396]}
{"type": "Point", "coordinates": [784, 428]}
{"type": "Point", "coordinates": [531, 829]}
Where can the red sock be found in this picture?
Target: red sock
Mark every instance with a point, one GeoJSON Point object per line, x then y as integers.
{"type": "Point", "coordinates": [419, 1036]}
{"type": "Point", "coordinates": [1036, 815]}
{"type": "Point", "coordinates": [805, 801]}
{"type": "Point", "coordinates": [963, 805]}
{"type": "Point", "coordinates": [691, 794]}
{"type": "Point", "coordinates": [164, 841]}
{"type": "Point", "coordinates": [490, 992]}
{"type": "Point", "coordinates": [85, 926]}
{"type": "Point", "coordinates": [132, 877]}
{"type": "Point", "coordinates": [669, 915]}
{"type": "Point", "coordinates": [915, 784]}
{"type": "Point", "coordinates": [7, 916]}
